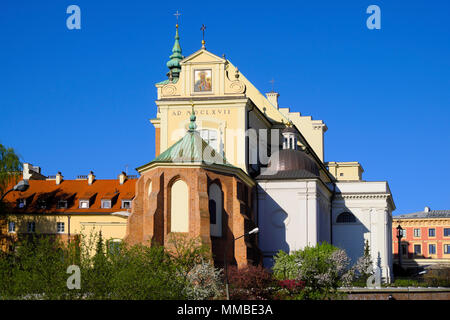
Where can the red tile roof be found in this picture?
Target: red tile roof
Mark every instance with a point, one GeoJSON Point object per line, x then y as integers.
{"type": "Point", "coordinates": [72, 191]}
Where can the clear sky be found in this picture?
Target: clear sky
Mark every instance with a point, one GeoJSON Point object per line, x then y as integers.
{"type": "Point", "coordinates": [80, 100]}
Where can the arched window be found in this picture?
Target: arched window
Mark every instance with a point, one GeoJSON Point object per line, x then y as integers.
{"type": "Point", "coordinates": [346, 217]}
{"type": "Point", "coordinates": [215, 210]}
{"type": "Point", "coordinates": [179, 207]}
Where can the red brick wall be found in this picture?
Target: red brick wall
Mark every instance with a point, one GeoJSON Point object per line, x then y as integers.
{"type": "Point", "coordinates": [150, 218]}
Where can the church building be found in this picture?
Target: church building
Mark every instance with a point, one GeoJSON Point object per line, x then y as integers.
{"type": "Point", "coordinates": [230, 159]}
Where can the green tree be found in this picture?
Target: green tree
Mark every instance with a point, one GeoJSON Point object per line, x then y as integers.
{"type": "Point", "coordinates": [10, 166]}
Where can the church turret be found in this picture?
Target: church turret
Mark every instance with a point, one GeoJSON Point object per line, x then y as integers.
{"type": "Point", "coordinates": [174, 63]}
{"type": "Point", "coordinates": [290, 136]}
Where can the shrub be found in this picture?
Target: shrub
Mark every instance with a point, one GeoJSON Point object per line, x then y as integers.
{"type": "Point", "coordinates": [37, 270]}
{"type": "Point", "coordinates": [249, 283]}
{"type": "Point", "coordinates": [323, 269]}
{"type": "Point", "coordinates": [286, 266]}
{"type": "Point", "coordinates": [204, 281]}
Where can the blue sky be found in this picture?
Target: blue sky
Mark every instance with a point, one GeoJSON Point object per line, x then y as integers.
{"type": "Point", "coordinates": [80, 100]}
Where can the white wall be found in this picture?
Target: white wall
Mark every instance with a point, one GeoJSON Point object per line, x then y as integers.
{"type": "Point", "coordinates": [291, 215]}
{"type": "Point", "coordinates": [371, 204]}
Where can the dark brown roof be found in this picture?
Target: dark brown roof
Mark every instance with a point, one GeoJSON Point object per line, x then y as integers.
{"type": "Point", "coordinates": [292, 160]}
{"type": "Point", "coordinates": [285, 175]}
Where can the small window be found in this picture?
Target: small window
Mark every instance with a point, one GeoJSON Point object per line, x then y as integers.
{"type": "Point", "coordinates": [126, 204]}
{"type": "Point", "coordinates": [21, 203]}
{"type": "Point", "coordinates": [42, 204]}
{"type": "Point", "coordinates": [403, 233]}
{"type": "Point", "coordinates": [432, 249]}
{"type": "Point", "coordinates": [417, 233]}
{"type": "Point", "coordinates": [447, 248]}
{"type": "Point", "coordinates": [62, 204]}
{"type": "Point", "coordinates": [60, 227]}
{"type": "Point", "coordinates": [446, 232]}
{"type": "Point", "coordinates": [11, 227]}
{"type": "Point", "coordinates": [417, 249]}
{"type": "Point", "coordinates": [106, 204]}
{"type": "Point", "coordinates": [31, 227]}
{"type": "Point", "coordinates": [346, 217]}
{"type": "Point", "coordinates": [432, 232]}
{"type": "Point", "coordinates": [341, 174]}
{"type": "Point", "coordinates": [84, 204]}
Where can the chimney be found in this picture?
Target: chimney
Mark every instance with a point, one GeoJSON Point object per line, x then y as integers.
{"type": "Point", "coordinates": [273, 98]}
{"type": "Point", "coordinates": [91, 178]}
{"type": "Point", "coordinates": [122, 177]}
{"type": "Point", "coordinates": [59, 178]}
{"type": "Point", "coordinates": [427, 209]}
{"type": "Point", "coordinates": [26, 171]}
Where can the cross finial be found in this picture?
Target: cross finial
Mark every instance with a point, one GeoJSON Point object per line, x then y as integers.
{"type": "Point", "coordinates": [177, 14]}
{"type": "Point", "coordinates": [272, 82]}
{"type": "Point", "coordinates": [203, 28]}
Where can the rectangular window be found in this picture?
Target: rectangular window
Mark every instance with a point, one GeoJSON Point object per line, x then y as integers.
{"type": "Point", "coordinates": [417, 249]}
{"type": "Point", "coordinates": [446, 232]}
{"type": "Point", "coordinates": [404, 233]}
{"type": "Point", "coordinates": [60, 227]}
{"type": "Point", "coordinates": [11, 227]}
{"type": "Point", "coordinates": [431, 249]}
{"type": "Point", "coordinates": [31, 227]}
{"type": "Point", "coordinates": [417, 233]}
{"type": "Point", "coordinates": [42, 204]}
{"type": "Point", "coordinates": [432, 232]}
{"type": "Point", "coordinates": [106, 204]}
{"type": "Point", "coordinates": [62, 204]}
{"type": "Point", "coordinates": [447, 248]}
{"type": "Point", "coordinates": [84, 204]}
{"type": "Point", "coordinates": [126, 204]}
{"type": "Point", "coordinates": [210, 136]}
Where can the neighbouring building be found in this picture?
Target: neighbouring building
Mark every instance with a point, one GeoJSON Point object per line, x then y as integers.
{"type": "Point", "coordinates": [68, 208]}
{"type": "Point", "coordinates": [426, 238]}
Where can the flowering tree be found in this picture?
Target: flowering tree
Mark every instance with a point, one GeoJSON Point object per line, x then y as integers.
{"type": "Point", "coordinates": [322, 269]}
{"type": "Point", "coordinates": [204, 281]}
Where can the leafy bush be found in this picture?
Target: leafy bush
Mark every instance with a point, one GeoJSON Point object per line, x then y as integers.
{"type": "Point", "coordinates": [287, 266]}
{"type": "Point", "coordinates": [37, 270]}
{"type": "Point", "coordinates": [204, 281]}
{"type": "Point", "coordinates": [323, 269]}
{"type": "Point", "coordinates": [249, 283]}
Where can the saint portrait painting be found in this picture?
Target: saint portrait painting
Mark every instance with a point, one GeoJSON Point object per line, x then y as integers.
{"type": "Point", "coordinates": [202, 80]}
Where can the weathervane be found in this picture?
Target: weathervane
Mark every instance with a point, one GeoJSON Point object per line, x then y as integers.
{"type": "Point", "coordinates": [177, 14]}
{"type": "Point", "coordinates": [203, 28]}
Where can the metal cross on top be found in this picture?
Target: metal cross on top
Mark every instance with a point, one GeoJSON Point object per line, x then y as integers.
{"type": "Point", "coordinates": [272, 82]}
{"type": "Point", "coordinates": [177, 14]}
{"type": "Point", "coordinates": [203, 28]}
